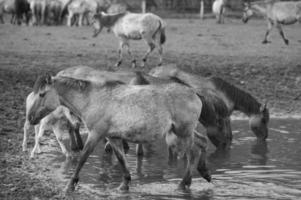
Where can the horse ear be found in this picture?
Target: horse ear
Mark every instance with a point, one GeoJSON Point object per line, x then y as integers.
{"type": "Point", "coordinates": [263, 106]}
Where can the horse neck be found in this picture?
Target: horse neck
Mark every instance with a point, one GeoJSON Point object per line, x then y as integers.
{"type": "Point", "coordinates": [241, 100]}
{"type": "Point", "coordinates": [260, 9]}
{"type": "Point", "coordinates": [75, 100]}
{"type": "Point", "coordinates": [111, 20]}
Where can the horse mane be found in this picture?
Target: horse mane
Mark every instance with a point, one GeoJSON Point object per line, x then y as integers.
{"type": "Point", "coordinates": [40, 83]}
{"type": "Point", "coordinates": [213, 109]}
{"type": "Point", "coordinates": [242, 100]}
{"type": "Point", "coordinates": [109, 20]}
{"type": "Point", "coordinates": [72, 83]}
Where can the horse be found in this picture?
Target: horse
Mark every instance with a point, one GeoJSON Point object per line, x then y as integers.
{"type": "Point", "coordinates": [276, 13]}
{"type": "Point", "coordinates": [57, 121]}
{"type": "Point", "coordinates": [133, 26]}
{"type": "Point", "coordinates": [38, 9]}
{"type": "Point", "coordinates": [214, 116]}
{"type": "Point", "coordinates": [218, 9]}
{"type": "Point", "coordinates": [83, 9]}
{"type": "Point", "coordinates": [112, 109]}
{"type": "Point", "coordinates": [17, 8]}
{"type": "Point", "coordinates": [234, 98]}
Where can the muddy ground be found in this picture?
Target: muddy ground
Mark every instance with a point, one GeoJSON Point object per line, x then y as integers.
{"type": "Point", "coordinates": [232, 51]}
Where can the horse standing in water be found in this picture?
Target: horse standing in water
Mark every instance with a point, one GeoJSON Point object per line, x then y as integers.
{"type": "Point", "coordinates": [117, 111]}
{"type": "Point", "coordinates": [133, 26]}
{"type": "Point", "coordinates": [218, 8]}
{"type": "Point", "coordinates": [214, 116]}
{"type": "Point", "coordinates": [57, 121]}
{"type": "Point", "coordinates": [276, 13]}
{"type": "Point", "coordinates": [234, 98]}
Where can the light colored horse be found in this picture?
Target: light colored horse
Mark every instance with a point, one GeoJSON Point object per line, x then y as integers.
{"type": "Point", "coordinates": [214, 115]}
{"type": "Point", "coordinates": [276, 14]}
{"type": "Point", "coordinates": [234, 98]}
{"type": "Point", "coordinates": [118, 111]}
{"type": "Point", "coordinates": [84, 9]}
{"type": "Point", "coordinates": [218, 9]}
{"type": "Point", "coordinates": [133, 26]}
{"type": "Point", "coordinates": [38, 9]}
{"type": "Point", "coordinates": [57, 121]}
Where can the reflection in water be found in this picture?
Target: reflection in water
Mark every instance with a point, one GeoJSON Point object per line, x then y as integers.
{"type": "Point", "coordinates": [260, 151]}
{"type": "Point", "coordinates": [249, 170]}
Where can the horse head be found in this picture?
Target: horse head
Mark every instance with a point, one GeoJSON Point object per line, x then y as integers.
{"type": "Point", "coordinates": [259, 122]}
{"type": "Point", "coordinates": [96, 23]}
{"type": "Point", "coordinates": [44, 101]}
{"type": "Point", "coordinates": [170, 70]}
{"type": "Point", "coordinates": [247, 12]}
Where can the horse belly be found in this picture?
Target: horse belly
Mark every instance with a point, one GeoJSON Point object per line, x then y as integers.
{"type": "Point", "coordinates": [288, 20]}
{"type": "Point", "coordinates": [139, 124]}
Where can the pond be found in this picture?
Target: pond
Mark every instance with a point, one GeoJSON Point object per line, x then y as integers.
{"type": "Point", "coordinates": [250, 170]}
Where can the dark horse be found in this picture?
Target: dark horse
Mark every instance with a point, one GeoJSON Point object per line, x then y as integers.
{"type": "Point", "coordinates": [233, 97]}
{"type": "Point", "coordinates": [22, 9]}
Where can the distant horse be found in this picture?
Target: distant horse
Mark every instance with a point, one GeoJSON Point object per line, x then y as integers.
{"type": "Point", "coordinates": [214, 116]}
{"type": "Point", "coordinates": [58, 121]}
{"type": "Point", "coordinates": [133, 26]}
{"type": "Point", "coordinates": [234, 98]}
{"type": "Point", "coordinates": [218, 8]}
{"type": "Point", "coordinates": [117, 111]}
{"type": "Point", "coordinates": [276, 13]}
{"type": "Point", "coordinates": [84, 9]}
{"type": "Point", "coordinates": [38, 9]}
{"type": "Point", "coordinates": [17, 8]}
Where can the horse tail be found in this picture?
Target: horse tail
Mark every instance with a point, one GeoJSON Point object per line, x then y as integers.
{"type": "Point", "coordinates": [161, 30]}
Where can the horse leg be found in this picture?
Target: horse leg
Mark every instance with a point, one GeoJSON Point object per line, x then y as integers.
{"type": "Point", "coordinates": [187, 179]}
{"type": "Point", "coordinates": [228, 132]}
{"type": "Point", "coordinates": [265, 40]}
{"type": "Point", "coordinates": [151, 45]}
{"type": "Point", "coordinates": [139, 150]}
{"type": "Point", "coordinates": [69, 19]}
{"type": "Point", "coordinates": [116, 145]}
{"type": "Point", "coordinates": [58, 134]}
{"type": "Point", "coordinates": [121, 45]}
{"type": "Point", "coordinates": [92, 140]}
{"type": "Point", "coordinates": [26, 129]}
{"type": "Point", "coordinates": [80, 19]}
{"type": "Point", "coordinates": [127, 45]}
{"type": "Point", "coordinates": [279, 27]}
{"type": "Point", "coordinates": [39, 131]}
{"type": "Point", "coordinates": [201, 143]}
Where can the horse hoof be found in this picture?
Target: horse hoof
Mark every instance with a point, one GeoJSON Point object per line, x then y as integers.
{"type": "Point", "coordinates": [286, 42]}
{"type": "Point", "coordinates": [265, 42]}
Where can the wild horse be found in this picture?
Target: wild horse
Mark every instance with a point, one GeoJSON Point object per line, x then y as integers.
{"type": "Point", "coordinates": [133, 26]}
{"type": "Point", "coordinates": [117, 111]}
{"type": "Point", "coordinates": [214, 116]}
{"type": "Point", "coordinates": [233, 97]}
{"type": "Point", "coordinates": [277, 13]}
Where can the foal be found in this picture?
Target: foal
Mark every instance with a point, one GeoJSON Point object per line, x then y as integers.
{"type": "Point", "coordinates": [58, 121]}
{"type": "Point", "coordinates": [133, 26]}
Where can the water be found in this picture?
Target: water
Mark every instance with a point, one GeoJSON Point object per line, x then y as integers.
{"type": "Point", "coordinates": [251, 170]}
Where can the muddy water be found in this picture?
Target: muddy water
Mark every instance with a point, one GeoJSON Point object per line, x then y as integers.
{"type": "Point", "coordinates": [249, 171]}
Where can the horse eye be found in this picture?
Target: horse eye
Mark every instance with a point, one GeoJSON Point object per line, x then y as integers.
{"type": "Point", "coordinates": [42, 94]}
